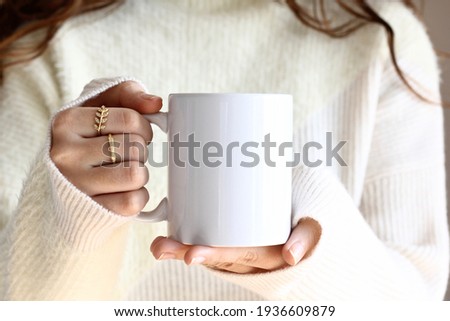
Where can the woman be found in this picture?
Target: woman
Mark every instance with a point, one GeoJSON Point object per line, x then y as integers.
{"type": "Point", "coordinates": [374, 229]}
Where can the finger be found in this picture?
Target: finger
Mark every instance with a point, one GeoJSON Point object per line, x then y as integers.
{"type": "Point", "coordinates": [164, 248]}
{"type": "Point", "coordinates": [80, 121]}
{"type": "Point", "coordinates": [235, 268]}
{"type": "Point", "coordinates": [302, 241]}
{"type": "Point", "coordinates": [265, 257]}
{"type": "Point", "coordinates": [114, 178]}
{"type": "Point", "coordinates": [129, 94]}
{"type": "Point", "coordinates": [127, 147]}
{"type": "Point", "coordinates": [124, 203]}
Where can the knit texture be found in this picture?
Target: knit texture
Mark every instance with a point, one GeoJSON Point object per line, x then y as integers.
{"type": "Point", "coordinates": [383, 216]}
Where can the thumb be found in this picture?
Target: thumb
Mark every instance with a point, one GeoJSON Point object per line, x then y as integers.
{"type": "Point", "coordinates": [129, 94]}
{"type": "Point", "coordinates": [302, 241]}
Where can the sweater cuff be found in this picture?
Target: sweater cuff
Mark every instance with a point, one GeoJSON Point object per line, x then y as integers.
{"type": "Point", "coordinates": [83, 223]}
{"type": "Point", "coordinates": [98, 86]}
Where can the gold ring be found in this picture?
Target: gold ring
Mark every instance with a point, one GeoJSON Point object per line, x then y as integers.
{"type": "Point", "coordinates": [101, 116]}
{"type": "Point", "coordinates": [112, 148]}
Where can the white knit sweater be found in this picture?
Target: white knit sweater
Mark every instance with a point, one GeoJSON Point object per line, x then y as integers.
{"type": "Point", "coordinates": [383, 216]}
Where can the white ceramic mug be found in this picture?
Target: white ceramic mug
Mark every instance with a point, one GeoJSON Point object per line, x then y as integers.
{"type": "Point", "coordinates": [227, 198]}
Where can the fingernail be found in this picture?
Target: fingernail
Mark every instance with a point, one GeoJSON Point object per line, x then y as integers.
{"type": "Point", "coordinates": [148, 97]}
{"type": "Point", "coordinates": [197, 260]}
{"type": "Point", "coordinates": [166, 256]}
{"type": "Point", "coordinates": [297, 251]}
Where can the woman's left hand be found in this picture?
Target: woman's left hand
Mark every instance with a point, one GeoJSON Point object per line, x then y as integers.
{"type": "Point", "coordinates": [300, 244]}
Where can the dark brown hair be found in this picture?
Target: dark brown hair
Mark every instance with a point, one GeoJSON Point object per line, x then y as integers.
{"type": "Point", "coordinates": [21, 17]}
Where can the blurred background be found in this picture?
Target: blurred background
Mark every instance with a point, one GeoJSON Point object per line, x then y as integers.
{"type": "Point", "coordinates": [436, 14]}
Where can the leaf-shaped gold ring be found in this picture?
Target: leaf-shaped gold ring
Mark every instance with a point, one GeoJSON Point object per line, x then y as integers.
{"type": "Point", "coordinates": [101, 116]}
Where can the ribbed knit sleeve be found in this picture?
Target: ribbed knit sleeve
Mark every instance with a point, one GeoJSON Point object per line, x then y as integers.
{"type": "Point", "coordinates": [56, 242]}
{"type": "Point", "coordinates": [393, 242]}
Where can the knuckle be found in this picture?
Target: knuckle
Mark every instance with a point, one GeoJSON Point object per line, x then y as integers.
{"type": "Point", "coordinates": [133, 152]}
{"type": "Point", "coordinates": [251, 256]}
{"type": "Point", "coordinates": [130, 119]}
{"type": "Point", "coordinates": [128, 86]}
{"type": "Point", "coordinates": [135, 148]}
{"type": "Point", "coordinates": [144, 175]}
{"type": "Point", "coordinates": [137, 174]}
{"type": "Point", "coordinates": [132, 172]}
{"type": "Point", "coordinates": [132, 203]}
{"type": "Point", "coordinates": [61, 120]}
{"type": "Point", "coordinates": [60, 156]}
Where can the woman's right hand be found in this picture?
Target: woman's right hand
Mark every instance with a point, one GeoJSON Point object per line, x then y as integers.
{"type": "Point", "coordinates": [82, 156]}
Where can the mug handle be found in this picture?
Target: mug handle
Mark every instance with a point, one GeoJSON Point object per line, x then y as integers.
{"type": "Point", "coordinates": [160, 212]}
